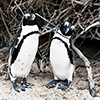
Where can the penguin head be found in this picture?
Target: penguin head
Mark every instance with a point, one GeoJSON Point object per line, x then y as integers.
{"type": "Point", "coordinates": [67, 28]}
{"type": "Point", "coordinates": [29, 19]}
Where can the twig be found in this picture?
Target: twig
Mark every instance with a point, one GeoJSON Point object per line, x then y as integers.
{"type": "Point", "coordinates": [19, 8]}
{"type": "Point", "coordinates": [3, 12]}
{"type": "Point", "coordinates": [78, 2]}
{"type": "Point", "coordinates": [90, 26]}
{"type": "Point", "coordinates": [3, 49]}
{"type": "Point", "coordinates": [62, 13]}
{"type": "Point", "coordinates": [9, 6]}
{"type": "Point", "coordinates": [6, 26]}
{"type": "Point", "coordinates": [86, 61]}
{"type": "Point", "coordinates": [44, 19]}
{"type": "Point", "coordinates": [1, 65]}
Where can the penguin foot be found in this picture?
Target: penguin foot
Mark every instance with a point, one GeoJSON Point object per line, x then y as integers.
{"type": "Point", "coordinates": [27, 85]}
{"type": "Point", "coordinates": [63, 87]}
{"type": "Point", "coordinates": [52, 84]}
{"type": "Point", "coordinates": [17, 88]}
{"type": "Point", "coordinates": [24, 84]}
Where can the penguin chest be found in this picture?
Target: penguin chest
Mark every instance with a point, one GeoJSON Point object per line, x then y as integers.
{"type": "Point", "coordinates": [26, 56]}
{"type": "Point", "coordinates": [60, 61]}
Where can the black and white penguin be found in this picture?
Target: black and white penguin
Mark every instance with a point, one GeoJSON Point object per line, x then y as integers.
{"type": "Point", "coordinates": [61, 57]}
{"type": "Point", "coordinates": [23, 51]}
{"type": "Point", "coordinates": [42, 59]}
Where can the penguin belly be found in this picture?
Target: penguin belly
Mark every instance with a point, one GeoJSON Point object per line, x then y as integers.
{"type": "Point", "coordinates": [26, 56]}
{"type": "Point", "coordinates": [62, 67]}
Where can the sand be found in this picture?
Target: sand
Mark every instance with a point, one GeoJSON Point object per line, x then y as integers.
{"type": "Point", "coordinates": [78, 89]}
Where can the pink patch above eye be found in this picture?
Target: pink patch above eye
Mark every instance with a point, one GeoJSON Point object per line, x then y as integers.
{"type": "Point", "coordinates": [72, 27]}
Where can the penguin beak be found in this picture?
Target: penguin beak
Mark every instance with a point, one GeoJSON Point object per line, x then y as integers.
{"type": "Point", "coordinates": [32, 16]}
{"type": "Point", "coordinates": [69, 29]}
{"type": "Point", "coordinates": [66, 31]}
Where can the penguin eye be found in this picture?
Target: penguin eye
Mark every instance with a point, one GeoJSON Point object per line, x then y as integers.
{"type": "Point", "coordinates": [28, 17]}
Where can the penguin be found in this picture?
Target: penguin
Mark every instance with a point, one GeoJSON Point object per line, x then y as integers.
{"type": "Point", "coordinates": [42, 58]}
{"type": "Point", "coordinates": [23, 51]}
{"type": "Point", "coordinates": [62, 57]}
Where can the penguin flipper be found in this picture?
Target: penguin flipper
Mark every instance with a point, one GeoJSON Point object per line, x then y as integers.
{"type": "Point", "coordinates": [13, 50]}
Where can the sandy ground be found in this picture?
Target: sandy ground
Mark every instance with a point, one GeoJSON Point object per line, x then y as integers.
{"type": "Point", "coordinates": [78, 89]}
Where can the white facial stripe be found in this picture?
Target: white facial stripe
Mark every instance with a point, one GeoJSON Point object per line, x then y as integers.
{"type": "Point", "coordinates": [66, 23]}
{"type": "Point", "coordinates": [27, 15]}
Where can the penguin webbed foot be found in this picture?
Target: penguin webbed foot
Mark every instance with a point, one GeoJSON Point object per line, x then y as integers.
{"type": "Point", "coordinates": [17, 88]}
{"type": "Point", "coordinates": [25, 84]}
{"type": "Point", "coordinates": [63, 86]}
{"type": "Point", "coordinates": [52, 84]}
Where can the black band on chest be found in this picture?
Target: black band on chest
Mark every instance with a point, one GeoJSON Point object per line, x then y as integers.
{"type": "Point", "coordinates": [15, 51]}
{"type": "Point", "coordinates": [69, 50]}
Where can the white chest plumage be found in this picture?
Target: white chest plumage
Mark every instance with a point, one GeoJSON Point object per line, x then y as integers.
{"type": "Point", "coordinates": [26, 55]}
{"type": "Point", "coordinates": [59, 59]}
